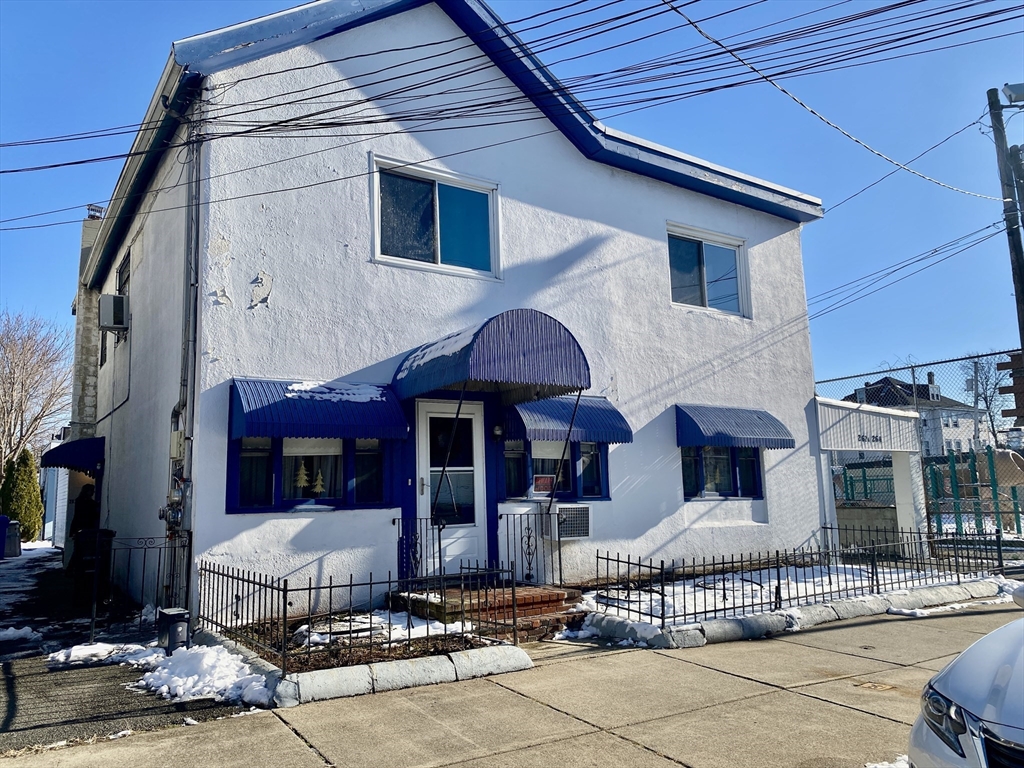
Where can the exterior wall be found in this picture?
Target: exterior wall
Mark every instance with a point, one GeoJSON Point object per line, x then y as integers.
{"type": "Point", "coordinates": [580, 241]}
{"type": "Point", "coordinates": [87, 345]}
{"type": "Point", "coordinates": [138, 385]}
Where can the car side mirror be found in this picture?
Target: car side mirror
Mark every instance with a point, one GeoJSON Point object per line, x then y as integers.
{"type": "Point", "coordinates": [1018, 595]}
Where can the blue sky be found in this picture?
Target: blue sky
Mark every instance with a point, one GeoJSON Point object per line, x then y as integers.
{"type": "Point", "coordinates": [75, 66]}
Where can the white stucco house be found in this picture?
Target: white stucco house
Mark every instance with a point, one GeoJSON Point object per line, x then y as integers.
{"type": "Point", "coordinates": [364, 298]}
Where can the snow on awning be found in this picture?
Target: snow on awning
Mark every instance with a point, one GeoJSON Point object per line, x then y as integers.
{"type": "Point", "coordinates": [84, 455]}
{"type": "Point", "coordinates": [333, 409]}
{"type": "Point", "coordinates": [522, 354]}
{"type": "Point", "coordinates": [597, 421]}
{"type": "Point", "coordinates": [730, 428]}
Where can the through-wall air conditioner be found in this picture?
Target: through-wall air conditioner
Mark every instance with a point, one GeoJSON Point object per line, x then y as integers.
{"type": "Point", "coordinates": [113, 313]}
{"type": "Point", "coordinates": [568, 521]}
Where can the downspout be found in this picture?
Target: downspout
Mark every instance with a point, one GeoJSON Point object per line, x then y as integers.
{"type": "Point", "coordinates": [178, 513]}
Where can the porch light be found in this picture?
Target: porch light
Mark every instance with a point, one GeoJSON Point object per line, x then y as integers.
{"type": "Point", "coordinates": [498, 431]}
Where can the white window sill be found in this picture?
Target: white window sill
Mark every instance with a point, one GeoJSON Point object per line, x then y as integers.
{"type": "Point", "coordinates": [440, 269]}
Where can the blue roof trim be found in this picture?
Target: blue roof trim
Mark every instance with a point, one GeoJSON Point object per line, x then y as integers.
{"type": "Point", "coordinates": [730, 428]}
{"type": "Point", "coordinates": [336, 409]}
{"type": "Point", "coordinates": [229, 47]}
{"type": "Point", "coordinates": [597, 421]}
{"type": "Point", "coordinates": [84, 455]}
{"type": "Point", "coordinates": [522, 353]}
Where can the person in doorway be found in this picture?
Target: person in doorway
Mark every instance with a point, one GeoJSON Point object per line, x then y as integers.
{"type": "Point", "coordinates": [86, 516]}
{"type": "Point", "coordinates": [87, 511]}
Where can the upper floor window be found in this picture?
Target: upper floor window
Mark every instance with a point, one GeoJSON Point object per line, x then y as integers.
{"type": "Point", "coordinates": [945, 418]}
{"type": "Point", "coordinates": [438, 220]}
{"type": "Point", "coordinates": [706, 273]}
{"type": "Point", "coordinates": [956, 419]}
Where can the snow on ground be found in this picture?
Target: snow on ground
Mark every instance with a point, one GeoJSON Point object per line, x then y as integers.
{"type": "Point", "coordinates": [25, 633]}
{"type": "Point", "coordinates": [385, 627]}
{"type": "Point", "coordinates": [17, 574]}
{"type": "Point", "coordinates": [199, 672]}
{"type": "Point", "coordinates": [738, 594]}
{"type": "Point", "coordinates": [901, 761]}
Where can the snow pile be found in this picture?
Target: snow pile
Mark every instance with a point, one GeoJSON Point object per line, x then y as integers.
{"type": "Point", "coordinates": [793, 618]}
{"type": "Point", "coordinates": [189, 673]}
{"type": "Point", "coordinates": [902, 761]}
{"type": "Point", "coordinates": [335, 392]}
{"type": "Point", "coordinates": [582, 633]}
{"type": "Point", "coordinates": [382, 626]}
{"type": "Point", "coordinates": [121, 734]}
{"type": "Point", "coordinates": [100, 654]}
{"type": "Point", "coordinates": [25, 633]}
{"type": "Point", "coordinates": [206, 672]}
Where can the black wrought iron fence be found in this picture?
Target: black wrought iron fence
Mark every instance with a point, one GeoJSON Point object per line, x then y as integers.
{"type": "Point", "coordinates": [123, 581]}
{"type": "Point", "coordinates": [850, 562]}
{"type": "Point", "coordinates": [532, 541]}
{"type": "Point", "coordinates": [300, 625]}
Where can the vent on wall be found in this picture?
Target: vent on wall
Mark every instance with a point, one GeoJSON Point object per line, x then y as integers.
{"type": "Point", "coordinates": [113, 313]}
{"type": "Point", "coordinates": [572, 521]}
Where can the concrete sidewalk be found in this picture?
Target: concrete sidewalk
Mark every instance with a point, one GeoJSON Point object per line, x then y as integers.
{"type": "Point", "coordinates": [836, 696]}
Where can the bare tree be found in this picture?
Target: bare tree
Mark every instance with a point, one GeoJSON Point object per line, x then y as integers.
{"type": "Point", "coordinates": [35, 381]}
{"type": "Point", "coordinates": [989, 380]}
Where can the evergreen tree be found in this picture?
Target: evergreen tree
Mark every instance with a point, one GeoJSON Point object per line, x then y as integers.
{"type": "Point", "coordinates": [6, 486]}
{"type": "Point", "coordinates": [21, 496]}
{"type": "Point", "coordinates": [301, 476]}
{"type": "Point", "coordinates": [318, 486]}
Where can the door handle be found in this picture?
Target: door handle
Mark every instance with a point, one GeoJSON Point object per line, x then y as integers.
{"type": "Point", "coordinates": [423, 486]}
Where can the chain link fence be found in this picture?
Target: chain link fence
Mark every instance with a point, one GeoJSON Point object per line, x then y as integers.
{"type": "Point", "coordinates": [972, 456]}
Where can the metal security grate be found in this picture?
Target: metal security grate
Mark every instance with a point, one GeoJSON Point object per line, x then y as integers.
{"type": "Point", "coordinates": [574, 522]}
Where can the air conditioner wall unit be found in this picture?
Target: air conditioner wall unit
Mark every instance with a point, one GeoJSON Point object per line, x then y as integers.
{"type": "Point", "coordinates": [569, 521]}
{"type": "Point", "coordinates": [113, 313]}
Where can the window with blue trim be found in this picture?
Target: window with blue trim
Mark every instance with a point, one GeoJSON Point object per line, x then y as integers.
{"type": "Point", "coordinates": [266, 474]}
{"type": "Point", "coordinates": [533, 469]}
{"type": "Point", "coordinates": [428, 221]}
{"type": "Point", "coordinates": [715, 472]}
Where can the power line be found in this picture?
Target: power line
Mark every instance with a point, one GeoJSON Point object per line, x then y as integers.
{"type": "Point", "coordinates": [825, 119]}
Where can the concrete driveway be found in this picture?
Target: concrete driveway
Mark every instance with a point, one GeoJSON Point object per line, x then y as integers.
{"type": "Point", "coordinates": [841, 695]}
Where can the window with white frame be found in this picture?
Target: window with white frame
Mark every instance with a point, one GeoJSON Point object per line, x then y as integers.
{"type": "Point", "coordinates": [706, 273]}
{"type": "Point", "coordinates": [435, 219]}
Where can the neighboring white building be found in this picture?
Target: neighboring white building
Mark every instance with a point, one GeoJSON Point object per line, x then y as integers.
{"type": "Point", "coordinates": [946, 424]}
{"type": "Point", "coordinates": [294, 361]}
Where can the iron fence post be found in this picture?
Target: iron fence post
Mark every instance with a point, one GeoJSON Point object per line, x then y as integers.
{"type": "Point", "coordinates": [663, 594]}
{"type": "Point", "coordinates": [999, 549]}
{"type": "Point", "coordinates": [284, 628]}
{"type": "Point", "coordinates": [874, 571]}
{"type": "Point", "coordinates": [515, 609]}
{"type": "Point", "coordinates": [778, 582]}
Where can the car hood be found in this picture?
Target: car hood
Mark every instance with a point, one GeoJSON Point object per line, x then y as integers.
{"type": "Point", "coordinates": [987, 679]}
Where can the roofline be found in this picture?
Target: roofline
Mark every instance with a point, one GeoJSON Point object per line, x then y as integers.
{"type": "Point", "coordinates": [174, 95]}
{"type": "Point", "coordinates": [195, 57]}
{"type": "Point", "coordinates": [869, 408]}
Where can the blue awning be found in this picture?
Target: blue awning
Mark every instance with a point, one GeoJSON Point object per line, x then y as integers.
{"type": "Point", "coordinates": [730, 428]}
{"type": "Point", "coordinates": [84, 455]}
{"type": "Point", "coordinates": [523, 354]}
{"type": "Point", "coordinates": [597, 421]}
{"type": "Point", "coordinates": [333, 409]}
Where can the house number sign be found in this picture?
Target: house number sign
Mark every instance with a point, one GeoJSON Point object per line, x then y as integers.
{"type": "Point", "coordinates": [870, 438]}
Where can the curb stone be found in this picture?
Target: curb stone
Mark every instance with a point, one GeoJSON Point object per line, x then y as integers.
{"type": "Point", "coordinates": [763, 624]}
{"type": "Point", "coordinates": [342, 682]}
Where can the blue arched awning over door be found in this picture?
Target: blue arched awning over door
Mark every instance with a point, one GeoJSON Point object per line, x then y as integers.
{"type": "Point", "coordinates": [522, 354]}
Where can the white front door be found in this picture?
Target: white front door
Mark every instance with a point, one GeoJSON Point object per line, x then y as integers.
{"type": "Point", "coordinates": [456, 503]}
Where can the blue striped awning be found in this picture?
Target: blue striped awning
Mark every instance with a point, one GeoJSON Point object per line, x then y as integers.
{"type": "Point", "coordinates": [522, 354]}
{"type": "Point", "coordinates": [84, 455]}
{"type": "Point", "coordinates": [597, 421]}
{"type": "Point", "coordinates": [333, 409]}
{"type": "Point", "coordinates": [730, 428]}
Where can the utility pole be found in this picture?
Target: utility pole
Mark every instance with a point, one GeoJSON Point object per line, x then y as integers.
{"type": "Point", "coordinates": [1011, 216]}
{"type": "Point", "coordinates": [1010, 213]}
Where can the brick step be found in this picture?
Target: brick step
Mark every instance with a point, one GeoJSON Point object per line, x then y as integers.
{"type": "Point", "coordinates": [492, 605]}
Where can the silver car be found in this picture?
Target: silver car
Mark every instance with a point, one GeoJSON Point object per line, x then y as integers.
{"type": "Point", "coordinates": [972, 712]}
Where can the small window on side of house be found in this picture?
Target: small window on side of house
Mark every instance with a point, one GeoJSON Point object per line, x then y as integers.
{"type": "Point", "coordinates": [256, 473]}
{"type": "Point", "coordinates": [550, 470]}
{"type": "Point", "coordinates": [369, 472]}
{"type": "Point", "coordinates": [714, 472]}
{"type": "Point", "coordinates": [517, 484]}
{"type": "Point", "coordinates": [704, 274]}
